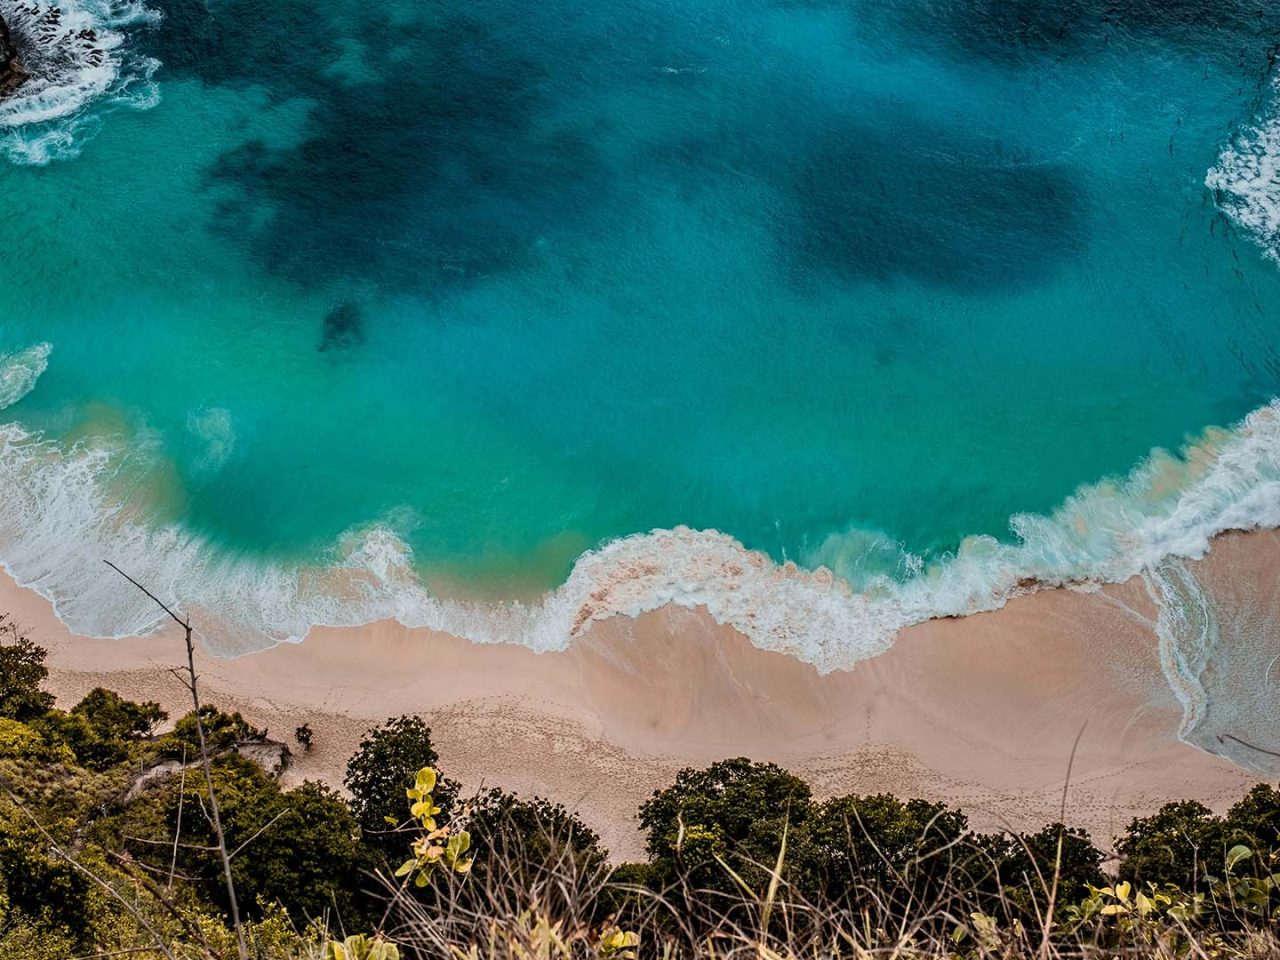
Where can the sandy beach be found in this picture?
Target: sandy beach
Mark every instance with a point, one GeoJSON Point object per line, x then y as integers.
{"type": "Point", "coordinates": [980, 711]}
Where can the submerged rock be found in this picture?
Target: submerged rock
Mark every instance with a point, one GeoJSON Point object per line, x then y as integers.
{"type": "Point", "coordinates": [11, 72]}
{"type": "Point", "coordinates": [343, 328]}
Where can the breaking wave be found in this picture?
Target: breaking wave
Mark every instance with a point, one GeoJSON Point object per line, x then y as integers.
{"type": "Point", "coordinates": [77, 61]}
{"type": "Point", "coordinates": [64, 515]}
{"type": "Point", "coordinates": [1246, 179]}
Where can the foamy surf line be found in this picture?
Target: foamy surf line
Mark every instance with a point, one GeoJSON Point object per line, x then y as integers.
{"type": "Point", "coordinates": [1246, 179]}
{"type": "Point", "coordinates": [60, 521]}
{"type": "Point", "coordinates": [77, 60]}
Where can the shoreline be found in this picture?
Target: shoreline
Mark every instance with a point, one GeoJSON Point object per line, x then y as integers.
{"type": "Point", "coordinates": [980, 711]}
{"type": "Point", "coordinates": [1168, 506]}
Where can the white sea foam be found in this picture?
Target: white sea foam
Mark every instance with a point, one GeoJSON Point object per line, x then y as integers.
{"type": "Point", "coordinates": [213, 427]}
{"type": "Point", "coordinates": [1216, 630]}
{"type": "Point", "coordinates": [1187, 628]}
{"type": "Point", "coordinates": [1246, 179]}
{"type": "Point", "coordinates": [62, 517]}
{"type": "Point", "coordinates": [20, 371]}
{"type": "Point", "coordinates": [79, 62]}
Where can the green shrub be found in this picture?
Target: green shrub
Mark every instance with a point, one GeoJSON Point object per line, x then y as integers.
{"type": "Point", "coordinates": [526, 844]}
{"type": "Point", "coordinates": [109, 726]}
{"type": "Point", "coordinates": [1180, 844]}
{"type": "Point", "coordinates": [883, 843]}
{"type": "Point", "coordinates": [1255, 822]}
{"type": "Point", "coordinates": [730, 815]}
{"type": "Point", "coordinates": [382, 769]}
{"type": "Point", "coordinates": [20, 741]}
{"type": "Point", "coordinates": [38, 885]}
{"type": "Point", "coordinates": [301, 848]}
{"type": "Point", "coordinates": [221, 731]}
{"type": "Point", "coordinates": [22, 671]}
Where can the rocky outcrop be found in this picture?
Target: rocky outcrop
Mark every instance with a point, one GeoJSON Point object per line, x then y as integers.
{"type": "Point", "coordinates": [271, 755]}
{"type": "Point", "coordinates": [11, 72]}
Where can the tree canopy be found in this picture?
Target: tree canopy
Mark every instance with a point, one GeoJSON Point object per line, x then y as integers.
{"type": "Point", "coordinates": [22, 671]}
{"type": "Point", "coordinates": [382, 768]}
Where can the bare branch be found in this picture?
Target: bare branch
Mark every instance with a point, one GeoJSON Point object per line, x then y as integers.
{"type": "Point", "coordinates": [177, 830]}
{"type": "Point", "coordinates": [186, 624]}
{"type": "Point", "coordinates": [1057, 860]}
{"type": "Point", "coordinates": [193, 929]}
{"type": "Point", "coordinates": [265, 827]}
{"type": "Point", "coordinates": [214, 816]}
{"type": "Point", "coordinates": [81, 868]}
{"type": "Point", "coordinates": [128, 951]}
{"type": "Point", "coordinates": [1245, 743]}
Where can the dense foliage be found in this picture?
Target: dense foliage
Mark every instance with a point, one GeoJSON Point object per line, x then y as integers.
{"type": "Point", "coordinates": [221, 730]}
{"type": "Point", "coordinates": [733, 812]}
{"type": "Point", "coordinates": [22, 671]}
{"type": "Point", "coordinates": [384, 766]}
{"type": "Point", "coordinates": [299, 849]}
{"type": "Point", "coordinates": [107, 843]}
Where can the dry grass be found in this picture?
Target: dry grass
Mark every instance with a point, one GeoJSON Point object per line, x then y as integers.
{"type": "Point", "coordinates": [563, 909]}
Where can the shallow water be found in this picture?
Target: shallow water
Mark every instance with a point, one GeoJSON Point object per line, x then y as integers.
{"type": "Point", "coordinates": [399, 309]}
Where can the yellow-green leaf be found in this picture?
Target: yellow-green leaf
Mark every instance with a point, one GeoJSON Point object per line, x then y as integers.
{"type": "Point", "coordinates": [458, 844]}
{"type": "Point", "coordinates": [1237, 853]}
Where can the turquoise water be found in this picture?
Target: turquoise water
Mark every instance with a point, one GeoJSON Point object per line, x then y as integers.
{"type": "Point", "coordinates": [362, 309]}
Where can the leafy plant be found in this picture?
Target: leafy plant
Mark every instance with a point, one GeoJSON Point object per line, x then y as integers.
{"type": "Point", "coordinates": [438, 845]}
{"type": "Point", "coordinates": [384, 766]}
{"type": "Point", "coordinates": [221, 731]}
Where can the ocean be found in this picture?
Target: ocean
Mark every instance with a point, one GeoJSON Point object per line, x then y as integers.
{"type": "Point", "coordinates": [503, 317]}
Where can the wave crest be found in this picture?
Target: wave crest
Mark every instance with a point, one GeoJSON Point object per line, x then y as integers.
{"type": "Point", "coordinates": [62, 519]}
{"type": "Point", "coordinates": [20, 371]}
{"type": "Point", "coordinates": [76, 55]}
{"type": "Point", "coordinates": [1246, 179]}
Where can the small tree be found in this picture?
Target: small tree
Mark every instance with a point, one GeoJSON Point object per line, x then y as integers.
{"type": "Point", "coordinates": [733, 812]}
{"type": "Point", "coordinates": [301, 847]}
{"type": "Point", "coordinates": [113, 715]}
{"type": "Point", "coordinates": [304, 736]}
{"type": "Point", "coordinates": [382, 769]}
{"type": "Point", "coordinates": [528, 845]}
{"type": "Point", "coordinates": [1180, 844]}
{"type": "Point", "coordinates": [221, 730]}
{"type": "Point", "coordinates": [897, 847]}
{"type": "Point", "coordinates": [22, 671]}
{"type": "Point", "coordinates": [1255, 820]}
{"type": "Point", "coordinates": [1016, 874]}
{"type": "Point", "coordinates": [100, 728]}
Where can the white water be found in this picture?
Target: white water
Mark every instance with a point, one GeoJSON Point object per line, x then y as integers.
{"type": "Point", "coordinates": [1246, 179]}
{"type": "Point", "coordinates": [77, 56]}
{"type": "Point", "coordinates": [63, 517]}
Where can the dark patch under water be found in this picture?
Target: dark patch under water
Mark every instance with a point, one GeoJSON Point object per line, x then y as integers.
{"type": "Point", "coordinates": [343, 328]}
{"type": "Point", "coordinates": [430, 170]}
{"type": "Point", "coordinates": [993, 222]}
{"type": "Point", "coordinates": [1019, 32]}
{"type": "Point", "coordinates": [470, 135]}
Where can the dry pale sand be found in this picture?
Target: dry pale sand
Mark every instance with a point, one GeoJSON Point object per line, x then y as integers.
{"type": "Point", "coordinates": [980, 711]}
